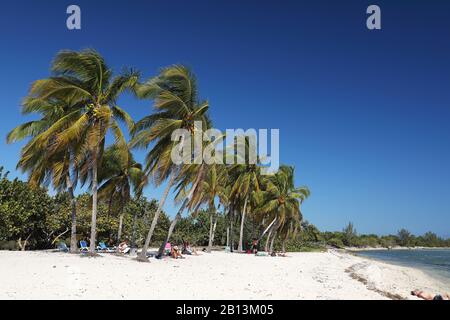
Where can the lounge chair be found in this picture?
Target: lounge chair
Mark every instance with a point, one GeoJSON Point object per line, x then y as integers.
{"type": "Point", "coordinates": [83, 246]}
{"type": "Point", "coordinates": [103, 248]}
{"type": "Point", "coordinates": [62, 247]}
{"type": "Point", "coordinates": [152, 254]}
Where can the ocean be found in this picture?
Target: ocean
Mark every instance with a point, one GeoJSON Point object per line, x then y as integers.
{"type": "Point", "coordinates": [435, 262]}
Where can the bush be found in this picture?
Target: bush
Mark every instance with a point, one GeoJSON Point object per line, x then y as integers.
{"type": "Point", "coordinates": [336, 242]}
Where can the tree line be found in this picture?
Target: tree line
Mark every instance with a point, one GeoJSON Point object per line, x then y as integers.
{"type": "Point", "coordinates": [31, 219]}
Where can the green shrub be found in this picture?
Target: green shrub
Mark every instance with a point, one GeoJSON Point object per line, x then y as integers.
{"type": "Point", "coordinates": [336, 242]}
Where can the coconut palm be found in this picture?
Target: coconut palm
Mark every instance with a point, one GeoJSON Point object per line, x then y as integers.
{"type": "Point", "coordinates": [84, 79]}
{"type": "Point", "coordinates": [44, 167]}
{"type": "Point", "coordinates": [119, 174]}
{"type": "Point", "coordinates": [281, 202]}
{"type": "Point", "coordinates": [211, 187]}
{"type": "Point", "coordinates": [177, 106]}
{"type": "Point", "coordinates": [247, 179]}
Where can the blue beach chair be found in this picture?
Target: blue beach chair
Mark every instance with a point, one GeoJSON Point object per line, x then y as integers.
{"type": "Point", "coordinates": [62, 247]}
{"type": "Point", "coordinates": [83, 246]}
{"type": "Point", "coordinates": [102, 247]}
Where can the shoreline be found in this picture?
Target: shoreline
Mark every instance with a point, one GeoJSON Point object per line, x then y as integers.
{"type": "Point", "coordinates": [356, 249]}
{"type": "Point", "coordinates": [438, 275]}
{"type": "Point", "coordinates": [330, 275]}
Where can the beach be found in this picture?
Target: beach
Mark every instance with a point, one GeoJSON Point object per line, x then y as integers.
{"type": "Point", "coordinates": [328, 275]}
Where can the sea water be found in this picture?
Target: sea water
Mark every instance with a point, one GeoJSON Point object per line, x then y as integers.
{"type": "Point", "coordinates": [435, 262]}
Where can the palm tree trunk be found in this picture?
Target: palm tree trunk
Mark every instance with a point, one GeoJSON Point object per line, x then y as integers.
{"type": "Point", "coordinates": [212, 224]}
{"type": "Point", "coordinates": [272, 241]}
{"type": "Point", "coordinates": [214, 230]}
{"type": "Point", "coordinates": [119, 232]}
{"type": "Point", "coordinates": [241, 233]}
{"type": "Point", "coordinates": [143, 255]}
{"type": "Point", "coordinates": [94, 201]}
{"type": "Point", "coordinates": [283, 245]}
{"type": "Point", "coordinates": [208, 250]}
{"type": "Point", "coordinates": [267, 229]}
{"type": "Point", "coordinates": [180, 212]}
{"type": "Point", "coordinates": [133, 235]}
{"type": "Point", "coordinates": [110, 205]}
{"type": "Point", "coordinates": [73, 204]}
{"type": "Point", "coordinates": [228, 237]}
{"type": "Point", "coordinates": [266, 247]}
{"type": "Point", "coordinates": [232, 215]}
{"type": "Point", "coordinates": [171, 228]}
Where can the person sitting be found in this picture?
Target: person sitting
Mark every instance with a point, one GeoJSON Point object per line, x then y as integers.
{"type": "Point", "coordinates": [168, 249]}
{"type": "Point", "coordinates": [254, 246]}
{"type": "Point", "coordinates": [187, 249]}
{"type": "Point", "coordinates": [176, 253]}
{"type": "Point", "coordinates": [123, 247]}
{"type": "Point", "coordinates": [430, 296]}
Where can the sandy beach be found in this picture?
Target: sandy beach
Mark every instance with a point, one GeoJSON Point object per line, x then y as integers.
{"type": "Point", "coordinates": [329, 275]}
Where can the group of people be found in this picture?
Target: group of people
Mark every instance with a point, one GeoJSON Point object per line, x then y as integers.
{"type": "Point", "coordinates": [254, 249]}
{"type": "Point", "coordinates": [175, 252]}
{"type": "Point", "coordinates": [122, 248]}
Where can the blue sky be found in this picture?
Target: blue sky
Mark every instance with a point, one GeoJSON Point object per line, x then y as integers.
{"type": "Point", "coordinates": [363, 115]}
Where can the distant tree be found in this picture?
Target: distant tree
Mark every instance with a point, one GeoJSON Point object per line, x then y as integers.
{"type": "Point", "coordinates": [404, 238]}
{"type": "Point", "coordinates": [430, 239]}
{"type": "Point", "coordinates": [388, 241]}
{"type": "Point", "coordinates": [349, 235]}
{"type": "Point", "coordinates": [309, 232]}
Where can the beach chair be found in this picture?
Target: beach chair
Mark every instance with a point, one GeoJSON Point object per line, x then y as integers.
{"type": "Point", "coordinates": [102, 247]}
{"type": "Point", "coordinates": [62, 247]}
{"type": "Point", "coordinates": [83, 246]}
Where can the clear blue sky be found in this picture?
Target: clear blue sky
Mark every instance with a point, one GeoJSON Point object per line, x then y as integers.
{"type": "Point", "coordinates": [363, 115]}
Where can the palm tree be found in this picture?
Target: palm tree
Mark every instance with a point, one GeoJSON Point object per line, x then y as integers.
{"type": "Point", "coordinates": [247, 179]}
{"type": "Point", "coordinates": [120, 175]}
{"type": "Point", "coordinates": [41, 166]}
{"type": "Point", "coordinates": [281, 202]}
{"type": "Point", "coordinates": [177, 107]}
{"type": "Point", "coordinates": [85, 79]}
{"type": "Point", "coordinates": [211, 187]}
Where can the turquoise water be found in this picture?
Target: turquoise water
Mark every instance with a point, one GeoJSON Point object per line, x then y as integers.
{"type": "Point", "coordinates": [435, 262]}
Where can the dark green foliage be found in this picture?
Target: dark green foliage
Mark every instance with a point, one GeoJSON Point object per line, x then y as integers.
{"type": "Point", "coordinates": [23, 212]}
{"type": "Point", "coordinates": [27, 212]}
{"type": "Point", "coordinates": [336, 242]}
{"type": "Point", "coordinates": [349, 235]}
{"type": "Point", "coordinates": [405, 238]}
{"type": "Point", "coordinates": [196, 230]}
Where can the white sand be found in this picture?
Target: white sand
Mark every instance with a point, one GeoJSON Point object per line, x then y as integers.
{"type": "Point", "coordinates": [330, 275]}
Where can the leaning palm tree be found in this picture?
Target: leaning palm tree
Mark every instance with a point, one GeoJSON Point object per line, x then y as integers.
{"type": "Point", "coordinates": [177, 107]}
{"type": "Point", "coordinates": [281, 202]}
{"type": "Point", "coordinates": [119, 174]}
{"type": "Point", "coordinates": [211, 187]}
{"type": "Point", "coordinates": [41, 166]}
{"type": "Point", "coordinates": [85, 79]}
